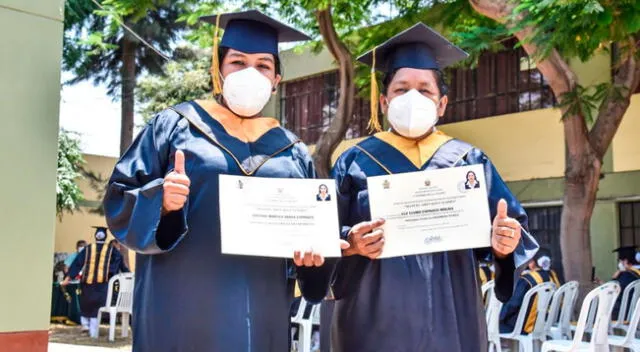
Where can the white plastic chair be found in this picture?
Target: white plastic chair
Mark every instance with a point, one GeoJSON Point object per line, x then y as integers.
{"type": "Point", "coordinates": [493, 321]}
{"type": "Point", "coordinates": [123, 305]}
{"type": "Point", "coordinates": [627, 306]}
{"type": "Point", "coordinates": [562, 305]}
{"type": "Point", "coordinates": [543, 292]}
{"type": "Point", "coordinates": [629, 340]}
{"type": "Point", "coordinates": [305, 325]}
{"type": "Point", "coordinates": [605, 296]}
{"type": "Point", "coordinates": [487, 293]}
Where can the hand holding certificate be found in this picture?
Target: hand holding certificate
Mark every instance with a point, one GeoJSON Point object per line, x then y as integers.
{"type": "Point", "coordinates": [274, 217]}
{"type": "Point", "coordinates": [431, 211]}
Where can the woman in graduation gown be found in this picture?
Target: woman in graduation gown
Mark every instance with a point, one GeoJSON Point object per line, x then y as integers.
{"type": "Point", "coordinates": [162, 202]}
{"type": "Point", "coordinates": [427, 302]}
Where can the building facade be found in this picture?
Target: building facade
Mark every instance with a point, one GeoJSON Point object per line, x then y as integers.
{"type": "Point", "coordinates": [505, 107]}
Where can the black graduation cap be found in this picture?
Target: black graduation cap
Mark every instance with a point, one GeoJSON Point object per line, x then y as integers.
{"type": "Point", "coordinates": [626, 252]}
{"type": "Point", "coordinates": [419, 47]}
{"type": "Point", "coordinates": [101, 233]}
{"type": "Point", "coordinates": [250, 32]}
{"type": "Point", "coordinates": [253, 32]}
{"type": "Point", "coordinates": [542, 252]}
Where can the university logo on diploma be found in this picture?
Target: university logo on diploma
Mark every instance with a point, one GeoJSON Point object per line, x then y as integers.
{"type": "Point", "coordinates": [273, 217]}
{"type": "Point", "coordinates": [432, 211]}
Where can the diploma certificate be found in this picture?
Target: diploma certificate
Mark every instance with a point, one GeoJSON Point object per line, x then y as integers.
{"type": "Point", "coordinates": [432, 211]}
{"type": "Point", "coordinates": [273, 217]}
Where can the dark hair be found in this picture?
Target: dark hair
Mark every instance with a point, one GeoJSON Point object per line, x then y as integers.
{"type": "Point", "coordinates": [223, 50]}
{"type": "Point", "coordinates": [81, 242]}
{"type": "Point", "coordinates": [630, 257]}
{"type": "Point", "coordinates": [442, 85]}
{"type": "Point", "coordinates": [472, 173]}
{"type": "Point", "coordinates": [323, 185]}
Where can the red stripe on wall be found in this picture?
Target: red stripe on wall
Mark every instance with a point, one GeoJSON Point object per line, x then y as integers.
{"type": "Point", "coordinates": [24, 341]}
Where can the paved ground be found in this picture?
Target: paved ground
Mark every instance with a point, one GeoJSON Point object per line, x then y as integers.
{"type": "Point", "coordinates": [58, 347]}
{"type": "Point", "coordinates": [71, 338]}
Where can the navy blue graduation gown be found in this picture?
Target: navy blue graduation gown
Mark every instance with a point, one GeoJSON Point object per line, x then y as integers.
{"type": "Point", "coordinates": [429, 302]}
{"type": "Point", "coordinates": [511, 309]}
{"type": "Point", "coordinates": [96, 272]}
{"type": "Point", "coordinates": [189, 296]}
{"type": "Point", "coordinates": [624, 278]}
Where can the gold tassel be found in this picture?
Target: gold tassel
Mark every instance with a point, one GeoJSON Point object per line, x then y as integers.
{"type": "Point", "coordinates": [215, 61]}
{"type": "Point", "coordinates": [374, 122]}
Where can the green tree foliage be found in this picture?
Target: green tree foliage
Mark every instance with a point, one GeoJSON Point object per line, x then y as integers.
{"type": "Point", "coordinates": [70, 162]}
{"type": "Point", "coordinates": [186, 78]}
{"type": "Point", "coordinates": [98, 47]}
{"type": "Point", "coordinates": [93, 37]}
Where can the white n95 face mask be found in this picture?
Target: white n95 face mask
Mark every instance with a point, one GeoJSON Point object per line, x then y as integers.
{"type": "Point", "coordinates": [246, 92]}
{"type": "Point", "coordinates": [412, 114]}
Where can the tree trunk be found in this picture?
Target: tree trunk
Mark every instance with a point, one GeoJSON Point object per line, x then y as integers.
{"type": "Point", "coordinates": [330, 139]}
{"type": "Point", "coordinates": [584, 149]}
{"type": "Point", "coordinates": [128, 76]}
{"type": "Point", "coordinates": [581, 186]}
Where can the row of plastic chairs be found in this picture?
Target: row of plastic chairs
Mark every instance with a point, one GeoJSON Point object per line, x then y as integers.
{"type": "Point", "coordinates": [595, 319]}
{"type": "Point", "coordinates": [305, 325]}
{"type": "Point", "coordinates": [604, 297]}
{"type": "Point", "coordinates": [553, 318]}
{"type": "Point", "coordinates": [553, 315]}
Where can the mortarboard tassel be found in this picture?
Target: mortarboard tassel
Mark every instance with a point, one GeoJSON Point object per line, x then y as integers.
{"type": "Point", "coordinates": [215, 61]}
{"type": "Point", "coordinates": [374, 122]}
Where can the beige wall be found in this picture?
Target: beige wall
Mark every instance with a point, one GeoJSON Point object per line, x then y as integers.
{"type": "Point", "coordinates": [78, 226]}
{"type": "Point", "coordinates": [31, 42]}
{"type": "Point", "coordinates": [522, 146]}
{"type": "Point", "coordinates": [299, 63]}
{"type": "Point", "coordinates": [626, 144]}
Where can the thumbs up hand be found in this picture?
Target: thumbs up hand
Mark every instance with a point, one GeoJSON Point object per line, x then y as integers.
{"type": "Point", "coordinates": [506, 232]}
{"type": "Point", "coordinates": [176, 186]}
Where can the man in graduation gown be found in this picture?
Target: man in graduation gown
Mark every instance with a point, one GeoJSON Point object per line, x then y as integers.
{"type": "Point", "coordinates": [428, 302]}
{"type": "Point", "coordinates": [628, 272]}
{"type": "Point", "coordinates": [163, 202]}
{"type": "Point", "coordinates": [98, 262]}
{"type": "Point", "coordinates": [529, 279]}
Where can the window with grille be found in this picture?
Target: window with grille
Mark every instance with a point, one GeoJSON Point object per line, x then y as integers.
{"type": "Point", "coordinates": [308, 105]}
{"type": "Point", "coordinates": [502, 83]}
{"type": "Point", "coordinates": [544, 225]}
{"type": "Point", "coordinates": [629, 223]}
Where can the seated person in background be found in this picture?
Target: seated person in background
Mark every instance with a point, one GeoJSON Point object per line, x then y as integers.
{"type": "Point", "coordinates": [628, 272]}
{"type": "Point", "coordinates": [485, 270]}
{"type": "Point", "coordinates": [544, 262]}
{"type": "Point", "coordinates": [510, 310]}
